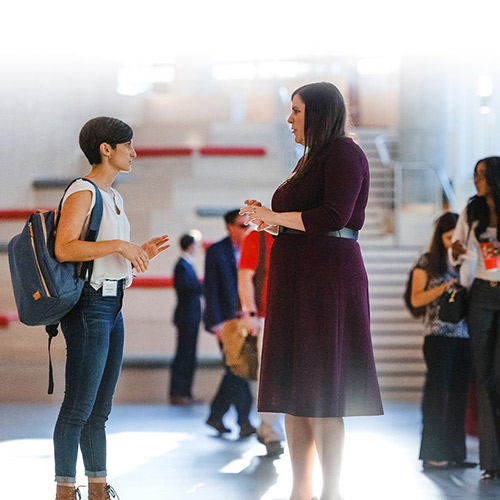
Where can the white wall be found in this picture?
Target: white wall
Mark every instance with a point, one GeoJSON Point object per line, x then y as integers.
{"type": "Point", "coordinates": [44, 103]}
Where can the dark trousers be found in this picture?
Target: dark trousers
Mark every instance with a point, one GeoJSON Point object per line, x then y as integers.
{"type": "Point", "coordinates": [232, 390]}
{"type": "Point", "coordinates": [184, 364]}
{"type": "Point", "coordinates": [484, 328]}
{"type": "Point", "coordinates": [449, 368]}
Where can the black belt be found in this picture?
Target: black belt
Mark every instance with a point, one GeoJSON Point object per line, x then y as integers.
{"type": "Point", "coordinates": [493, 284]}
{"type": "Point", "coordinates": [345, 232]}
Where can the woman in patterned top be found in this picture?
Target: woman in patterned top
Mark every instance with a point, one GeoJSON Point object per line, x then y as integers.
{"type": "Point", "coordinates": [447, 355]}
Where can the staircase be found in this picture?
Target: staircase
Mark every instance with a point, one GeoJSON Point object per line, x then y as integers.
{"type": "Point", "coordinates": [397, 336]}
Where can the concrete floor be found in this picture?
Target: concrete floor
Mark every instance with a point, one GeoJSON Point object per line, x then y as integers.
{"type": "Point", "coordinates": [165, 452]}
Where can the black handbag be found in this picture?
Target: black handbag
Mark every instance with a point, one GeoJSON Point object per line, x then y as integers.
{"type": "Point", "coordinates": [453, 304]}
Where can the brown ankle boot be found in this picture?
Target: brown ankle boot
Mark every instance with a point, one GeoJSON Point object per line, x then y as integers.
{"type": "Point", "coordinates": [102, 491]}
{"type": "Point", "coordinates": [67, 493]}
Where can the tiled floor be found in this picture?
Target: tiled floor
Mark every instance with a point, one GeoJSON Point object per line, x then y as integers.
{"type": "Point", "coordinates": [164, 452]}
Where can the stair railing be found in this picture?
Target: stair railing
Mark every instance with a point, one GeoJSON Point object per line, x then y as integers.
{"type": "Point", "coordinates": [435, 184]}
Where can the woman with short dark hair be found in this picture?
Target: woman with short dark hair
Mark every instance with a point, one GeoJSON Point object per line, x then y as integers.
{"type": "Point", "coordinates": [93, 329]}
{"type": "Point", "coordinates": [317, 362]}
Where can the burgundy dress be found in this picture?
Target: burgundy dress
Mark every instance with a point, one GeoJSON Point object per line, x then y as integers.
{"type": "Point", "coordinates": [317, 356]}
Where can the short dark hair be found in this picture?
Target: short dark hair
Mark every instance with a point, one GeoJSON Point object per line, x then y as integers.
{"type": "Point", "coordinates": [102, 129]}
{"type": "Point", "coordinates": [325, 120]}
{"type": "Point", "coordinates": [231, 216]}
{"type": "Point", "coordinates": [185, 241]}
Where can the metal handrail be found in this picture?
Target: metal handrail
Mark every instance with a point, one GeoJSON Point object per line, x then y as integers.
{"type": "Point", "coordinates": [398, 167]}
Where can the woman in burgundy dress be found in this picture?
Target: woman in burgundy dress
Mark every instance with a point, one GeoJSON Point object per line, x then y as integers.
{"type": "Point", "coordinates": [317, 363]}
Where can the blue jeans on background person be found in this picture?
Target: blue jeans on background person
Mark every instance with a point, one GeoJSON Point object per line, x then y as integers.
{"type": "Point", "coordinates": [94, 338]}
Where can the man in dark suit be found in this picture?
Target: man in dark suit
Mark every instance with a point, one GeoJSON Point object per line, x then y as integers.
{"type": "Point", "coordinates": [222, 304]}
{"type": "Point", "coordinates": [187, 318]}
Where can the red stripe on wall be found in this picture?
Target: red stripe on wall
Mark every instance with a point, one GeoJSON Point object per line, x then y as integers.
{"type": "Point", "coordinates": [231, 151]}
{"type": "Point", "coordinates": [16, 214]}
{"type": "Point", "coordinates": [153, 282]}
{"type": "Point", "coordinates": [163, 151]}
{"type": "Point", "coordinates": [6, 318]}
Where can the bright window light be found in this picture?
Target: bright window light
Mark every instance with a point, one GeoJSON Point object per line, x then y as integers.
{"type": "Point", "coordinates": [377, 65]}
{"type": "Point", "coordinates": [275, 69]}
{"type": "Point", "coordinates": [238, 71]}
{"type": "Point", "coordinates": [268, 70]}
{"type": "Point", "coordinates": [153, 30]}
{"type": "Point", "coordinates": [133, 81]}
{"type": "Point", "coordinates": [484, 86]}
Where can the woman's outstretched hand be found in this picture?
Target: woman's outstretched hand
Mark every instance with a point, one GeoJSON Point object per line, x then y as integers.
{"type": "Point", "coordinates": [155, 246]}
{"type": "Point", "coordinates": [137, 256]}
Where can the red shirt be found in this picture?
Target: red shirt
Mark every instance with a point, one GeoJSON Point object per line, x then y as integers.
{"type": "Point", "coordinates": [249, 259]}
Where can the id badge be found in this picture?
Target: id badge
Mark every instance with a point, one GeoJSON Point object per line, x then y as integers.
{"type": "Point", "coordinates": [109, 288]}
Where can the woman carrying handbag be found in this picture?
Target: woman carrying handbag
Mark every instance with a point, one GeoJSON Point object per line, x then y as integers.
{"type": "Point", "coordinates": [447, 355]}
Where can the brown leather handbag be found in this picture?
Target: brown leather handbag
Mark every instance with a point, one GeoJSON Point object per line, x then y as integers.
{"type": "Point", "coordinates": [240, 349]}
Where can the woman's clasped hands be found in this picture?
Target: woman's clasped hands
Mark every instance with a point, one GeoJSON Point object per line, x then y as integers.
{"type": "Point", "coordinates": [259, 215]}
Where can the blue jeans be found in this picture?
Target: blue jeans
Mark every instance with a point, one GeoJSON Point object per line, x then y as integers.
{"type": "Point", "coordinates": [94, 340]}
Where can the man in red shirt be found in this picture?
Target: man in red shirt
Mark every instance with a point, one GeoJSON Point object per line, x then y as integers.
{"type": "Point", "coordinates": [251, 278]}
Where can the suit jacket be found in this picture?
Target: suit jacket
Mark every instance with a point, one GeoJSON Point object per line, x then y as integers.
{"type": "Point", "coordinates": [221, 284]}
{"type": "Point", "coordinates": [188, 290]}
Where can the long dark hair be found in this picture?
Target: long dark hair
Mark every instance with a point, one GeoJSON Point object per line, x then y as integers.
{"type": "Point", "coordinates": [477, 208]}
{"type": "Point", "coordinates": [437, 252]}
{"type": "Point", "coordinates": [325, 120]}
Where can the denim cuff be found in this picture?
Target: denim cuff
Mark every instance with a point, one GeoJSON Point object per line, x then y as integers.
{"type": "Point", "coordinates": [65, 479]}
{"type": "Point", "coordinates": [99, 473]}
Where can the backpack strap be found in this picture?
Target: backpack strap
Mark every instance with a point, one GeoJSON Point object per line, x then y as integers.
{"type": "Point", "coordinates": [93, 230]}
{"type": "Point", "coordinates": [86, 268]}
{"type": "Point", "coordinates": [94, 223]}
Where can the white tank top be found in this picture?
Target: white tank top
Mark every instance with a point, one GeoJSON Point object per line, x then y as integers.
{"type": "Point", "coordinates": [114, 226]}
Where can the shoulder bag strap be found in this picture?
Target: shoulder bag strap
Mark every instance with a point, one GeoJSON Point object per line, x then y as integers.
{"type": "Point", "coordinates": [92, 231]}
{"type": "Point", "coordinates": [94, 223]}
